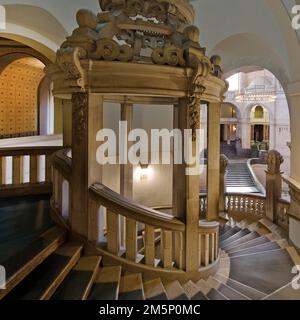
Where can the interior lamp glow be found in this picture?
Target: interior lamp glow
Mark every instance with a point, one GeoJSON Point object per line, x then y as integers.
{"type": "Point", "coordinates": [144, 171]}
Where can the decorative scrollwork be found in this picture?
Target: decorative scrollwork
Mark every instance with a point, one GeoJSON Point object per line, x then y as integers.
{"type": "Point", "coordinates": [80, 109]}
{"type": "Point", "coordinates": [110, 50]}
{"type": "Point", "coordinates": [68, 59]}
{"type": "Point", "coordinates": [194, 115]}
{"type": "Point", "coordinates": [172, 56]}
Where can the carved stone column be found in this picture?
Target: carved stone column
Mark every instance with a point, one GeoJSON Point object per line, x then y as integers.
{"type": "Point", "coordinates": [223, 171]}
{"type": "Point", "coordinates": [213, 161]}
{"type": "Point", "coordinates": [273, 183]}
{"type": "Point", "coordinates": [87, 121]}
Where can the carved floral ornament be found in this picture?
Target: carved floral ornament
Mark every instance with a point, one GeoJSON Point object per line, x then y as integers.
{"type": "Point", "coordinates": [139, 31]}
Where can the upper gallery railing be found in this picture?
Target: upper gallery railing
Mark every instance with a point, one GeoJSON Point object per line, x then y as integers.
{"type": "Point", "coordinates": [26, 170]}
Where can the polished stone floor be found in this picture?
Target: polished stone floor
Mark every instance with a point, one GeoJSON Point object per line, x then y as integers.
{"type": "Point", "coordinates": [21, 221]}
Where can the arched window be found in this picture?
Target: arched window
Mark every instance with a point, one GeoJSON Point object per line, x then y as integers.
{"type": "Point", "coordinates": [259, 112]}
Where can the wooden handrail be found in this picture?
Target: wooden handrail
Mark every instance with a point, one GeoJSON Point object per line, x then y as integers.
{"type": "Point", "coordinates": [23, 151]}
{"type": "Point", "coordinates": [63, 163]}
{"type": "Point", "coordinates": [129, 209]}
{"type": "Point", "coordinates": [208, 226]}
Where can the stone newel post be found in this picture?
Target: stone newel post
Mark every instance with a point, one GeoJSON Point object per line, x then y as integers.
{"type": "Point", "coordinates": [273, 183]}
{"type": "Point", "coordinates": [223, 171]}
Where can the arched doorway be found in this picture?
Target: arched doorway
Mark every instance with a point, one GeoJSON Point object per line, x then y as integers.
{"type": "Point", "coordinates": [229, 123]}
{"type": "Point", "coordinates": [260, 127]}
{"type": "Point", "coordinates": [26, 101]}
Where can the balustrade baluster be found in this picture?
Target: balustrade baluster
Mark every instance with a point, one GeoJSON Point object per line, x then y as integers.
{"type": "Point", "coordinates": [212, 247]}
{"type": "Point", "coordinates": [179, 248]}
{"type": "Point", "coordinates": [149, 245]}
{"type": "Point", "coordinates": [2, 170]}
{"type": "Point", "coordinates": [33, 168]}
{"type": "Point", "coordinates": [205, 250]}
{"type": "Point", "coordinates": [93, 227]}
{"type": "Point", "coordinates": [113, 241]}
{"type": "Point", "coordinates": [131, 239]}
{"type": "Point", "coordinates": [166, 249]}
{"type": "Point", "coordinates": [48, 168]}
{"type": "Point", "coordinates": [17, 170]}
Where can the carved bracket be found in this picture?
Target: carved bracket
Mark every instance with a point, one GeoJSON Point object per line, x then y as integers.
{"type": "Point", "coordinates": [68, 59]}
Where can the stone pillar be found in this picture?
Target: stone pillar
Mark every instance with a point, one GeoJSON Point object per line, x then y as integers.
{"type": "Point", "coordinates": [213, 161]}
{"type": "Point", "coordinates": [273, 183]}
{"type": "Point", "coordinates": [180, 121]}
{"type": "Point", "coordinates": [67, 123]}
{"type": "Point", "coordinates": [294, 211]}
{"type": "Point", "coordinates": [87, 121]}
{"type": "Point", "coordinates": [186, 186]}
{"type": "Point", "coordinates": [223, 170]}
{"type": "Point", "coordinates": [126, 170]}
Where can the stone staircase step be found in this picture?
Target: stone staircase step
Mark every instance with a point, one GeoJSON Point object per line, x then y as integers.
{"type": "Point", "coordinates": [154, 290]}
{"type": "Point", "coordinates": [131, 287]}
{"type": "Point", "coordinates": [229, 233]}
{"type": "Point", "coordinates": [252, 243]}
{"type": "Point", "coordinates": [247, 238]}
{"type": "Point", "coordinates": [260, 248]}
{"type": "Point", "coordinates": [20, 265]}
{"type": "Point", "coordinates": [288, 292]}
{"type": "Point", "coordinates": [78, 283]}
{"type": "Point", "coordinates": [193, 292]}
{"type": "Point", "coordinates": [228, 292]}
{"type": "Point", "coordinates": [266, 271]}
{"type": "Point", "coordinates": [107, 283]}
{"type": "Point", "coordinates": [209, 291]}
{"type": "Point", "coordinates": [47, 277]}
{"type": "Point", "coordinates": [224, 229]}
{"type": "Point", "coordinates": [175, 291]}
{"type": "Point", "coordinates": [237, 236]}
{"type": "Point", "coordinates": [249, 292]}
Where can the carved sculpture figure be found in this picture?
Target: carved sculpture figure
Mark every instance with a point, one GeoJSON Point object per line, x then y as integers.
{"type": "Point", "coordinates": [274, 161]}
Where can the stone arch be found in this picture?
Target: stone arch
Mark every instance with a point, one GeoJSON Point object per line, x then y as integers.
{"type": "Point", "coordinates": [34, 22]}
{"type": "Point", "coordinates": [249, 50]}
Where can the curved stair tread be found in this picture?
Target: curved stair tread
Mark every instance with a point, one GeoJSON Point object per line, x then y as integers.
{"type": "Point", "coordinates": [131, 287]}
{"type": "Point", "coordinates": [224, 229]}
{"type": "Point", "coordinates": [154, 290]}
{"type": "Point", "coordinates": [193, 292]}
{"type": "Point", "coordinates": [260, 248]}
{"type": "Point", "coordinates": [46, 278]}
{"type": "Point", "coordinates": [175, 291]}
{"type": "Point", "coordinates": [249, 292]}
{"type": "Point", "coordinates": [291, 291]}
{"type": "Point", "coordinates": [107, 283]}
{"type": "Point", "coordinates": [20, 265]}
{"type": "Point", "coordinates": [252, 243]}
{"type": "Point", "coordinates": [246, 238]}
{"type": "Point", "coordinates": [267, 271]}
{"type": "Point", "coordinates": [79, 281]}
{"type": "Point", "coordinates": [229, 233]}
{"type": "Point", "coordinates": [228, 292]}
{"type": "Point", "coordinates": [235, 237]}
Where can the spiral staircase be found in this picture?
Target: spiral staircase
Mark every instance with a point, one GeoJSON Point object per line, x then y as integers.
{"type": "Point", "coordinates": [256, 263]}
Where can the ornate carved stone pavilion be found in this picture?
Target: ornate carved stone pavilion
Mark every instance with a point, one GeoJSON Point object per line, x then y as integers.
{"type": "Point", "coordinates": [140, 52]}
